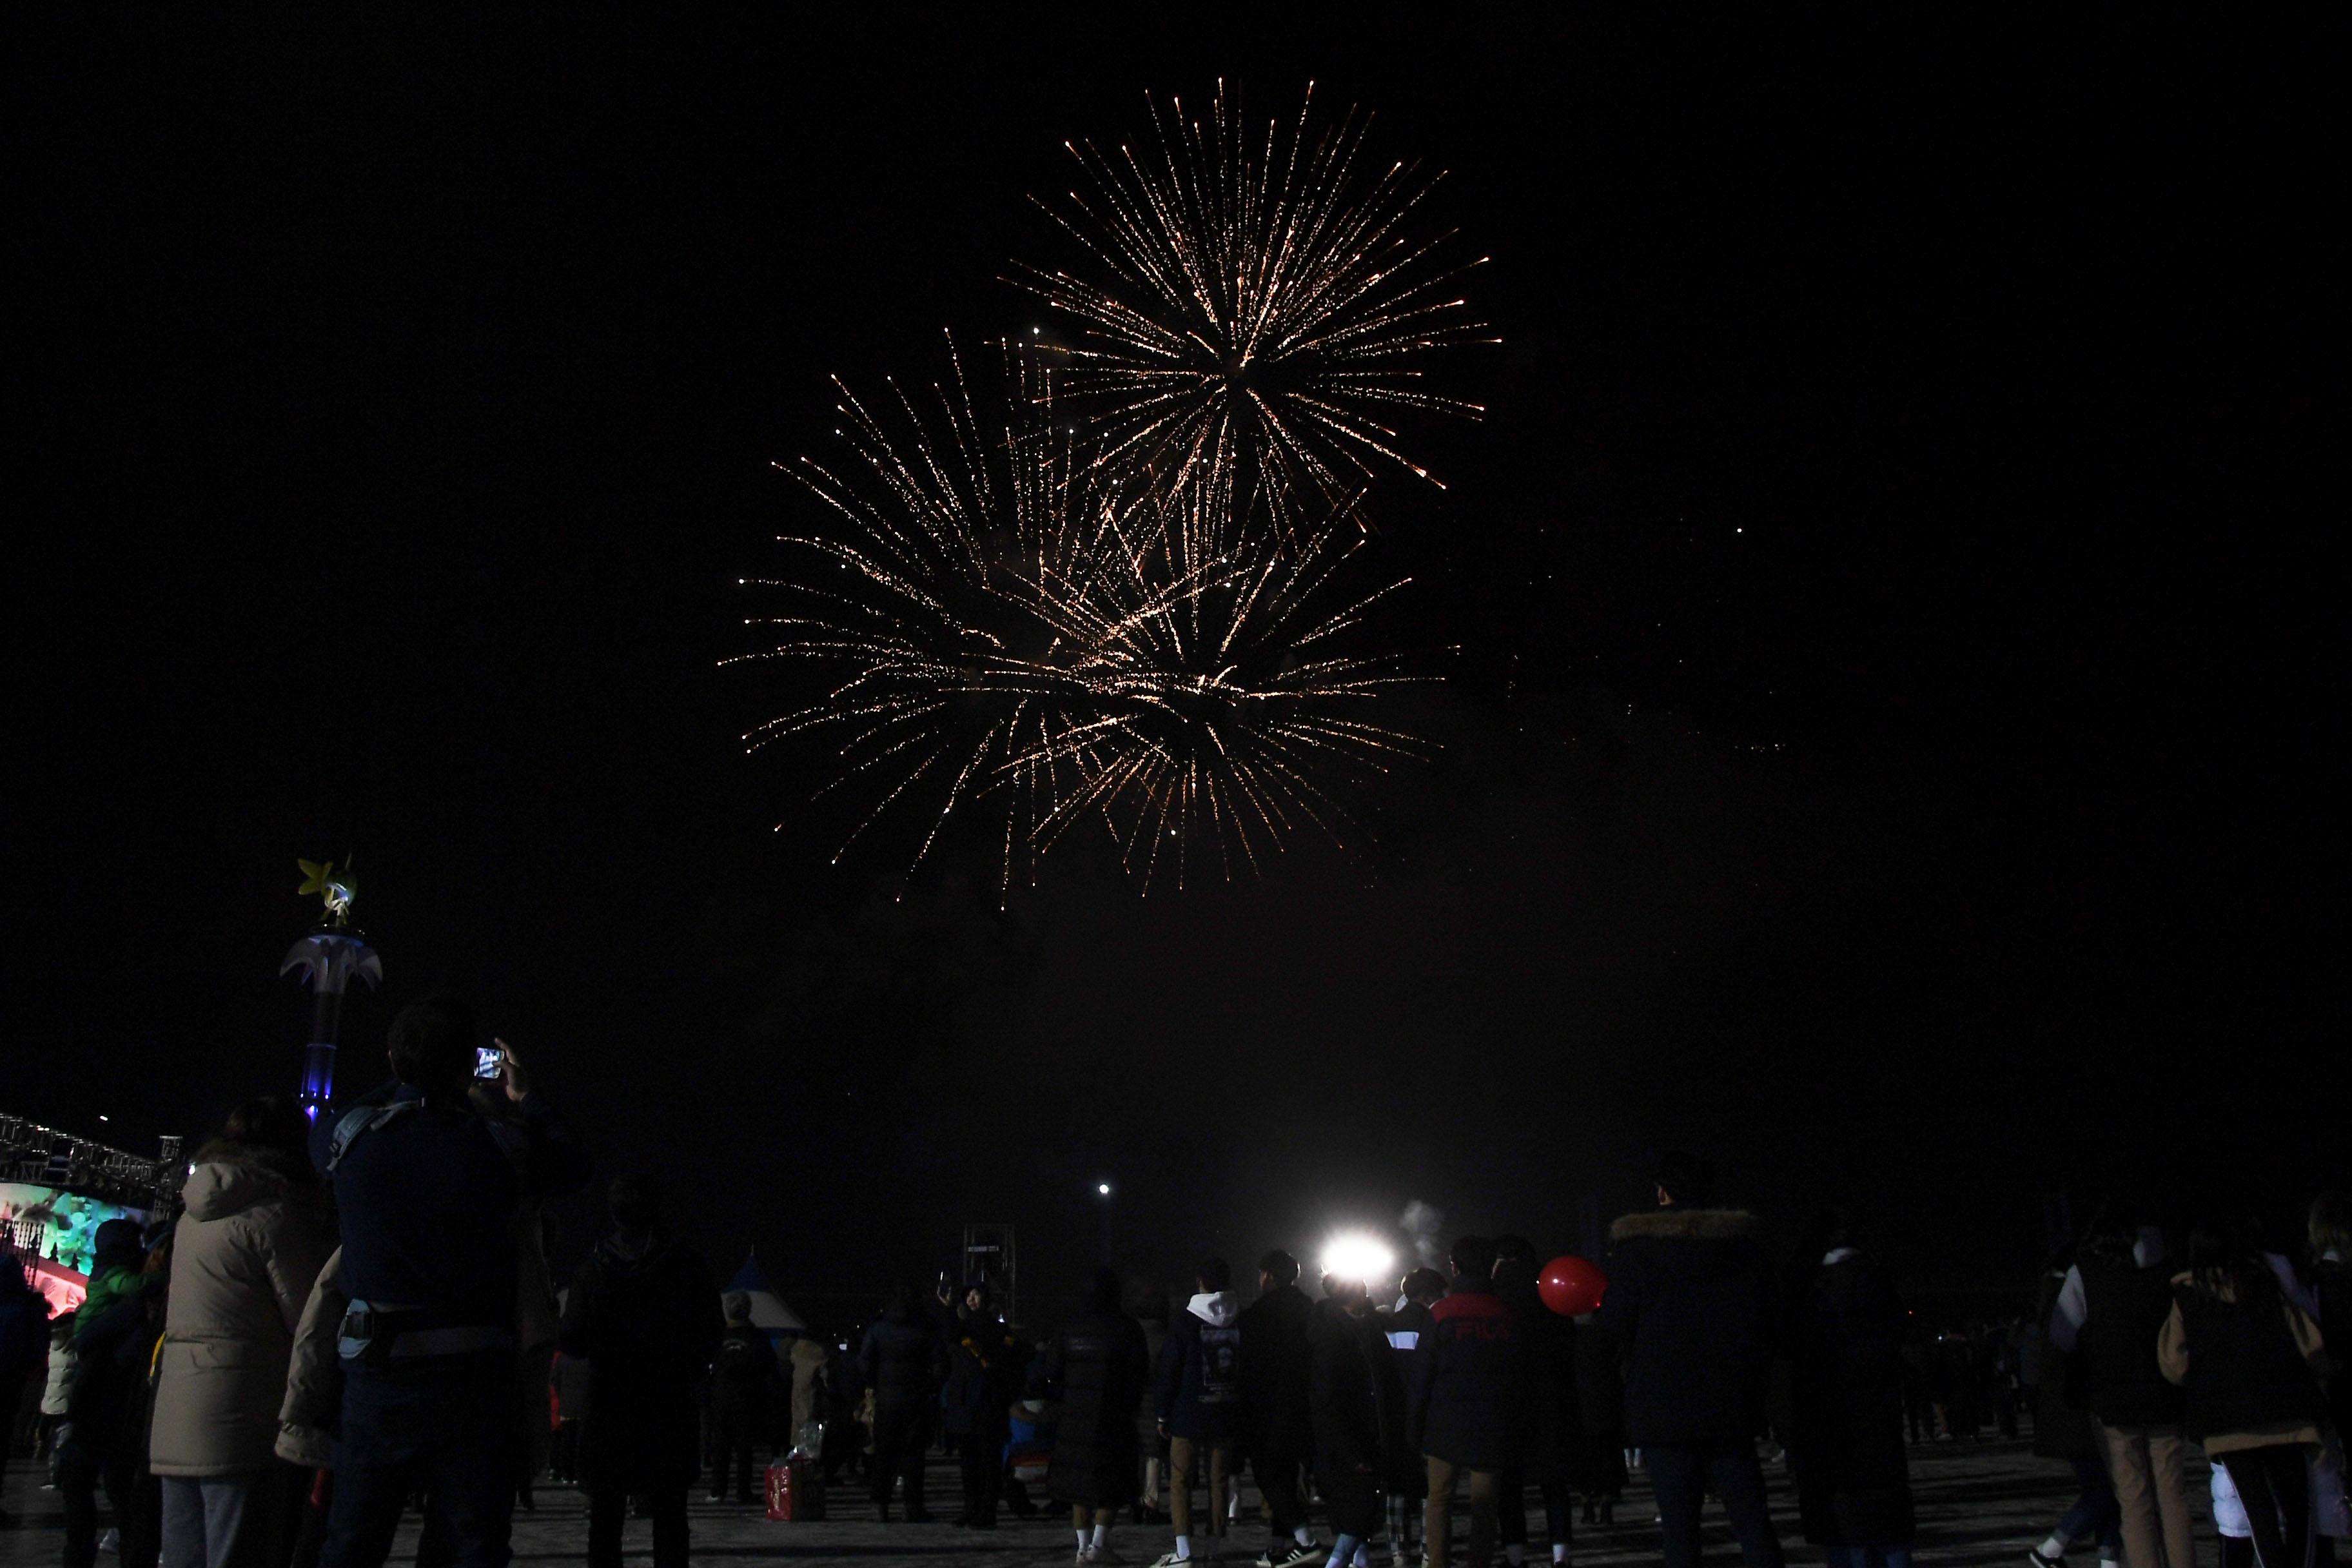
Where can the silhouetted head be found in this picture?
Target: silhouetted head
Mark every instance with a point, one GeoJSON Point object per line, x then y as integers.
{"type": "Point", "coordinates": [1423, 1285]}
{"type": "Point", "coordinates": [1685, 1180]}
{"type": "Point", "coordinates": [636, 1201]}
{"type": "Point", "coordinates": [431, 1045]}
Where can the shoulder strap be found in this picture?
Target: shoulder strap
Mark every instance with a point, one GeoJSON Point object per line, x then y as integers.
{"type": "Point", "coordinates": [364, 1121]}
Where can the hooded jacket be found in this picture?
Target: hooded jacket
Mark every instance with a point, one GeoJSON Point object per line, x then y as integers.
{"type": "Point", "coordinates": [1691, 1303]}
{"type": "Point", "coordinates": [115, 1272]}
{"type": "Point", "coordinates": [244, 1257]}
{"type": "Point", "coordinates": [312, 1409]}
{"type": "Point", "coordinates": [1197, 1387]}
{"type": "Point", "coordinates": [743, 1372]}
{"type": "Point", "coordinates": [58, 1389]}
{"type": "Point", "coordinates": [1470, 1405]}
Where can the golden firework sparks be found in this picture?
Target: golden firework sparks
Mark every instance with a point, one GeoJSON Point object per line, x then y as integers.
{"type": "Point", "coordinates": [1015, 624]}
{"type": "Point", "coordinates": [1258, 301]}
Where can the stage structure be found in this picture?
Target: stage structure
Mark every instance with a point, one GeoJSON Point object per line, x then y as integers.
{"type": "Point", "coordinates": [329, 958]}
{"type": "Point", "coordinates": [988, 1256]}
{"type": "Point", "coordinates": [57, 1188]}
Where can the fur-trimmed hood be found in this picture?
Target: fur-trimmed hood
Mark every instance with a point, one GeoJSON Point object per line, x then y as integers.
{"type": "Point", "coordinates": [1686, 1225]}
{"type": "Point", "coordinates": [230, 1177]}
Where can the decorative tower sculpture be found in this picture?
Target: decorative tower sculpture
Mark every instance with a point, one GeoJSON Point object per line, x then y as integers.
{"type": "Point", "coordinates": [328, 957]}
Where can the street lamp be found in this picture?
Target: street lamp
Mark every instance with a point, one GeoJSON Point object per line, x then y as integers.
{"type": "Point", "coordinates": [1102, 1191]}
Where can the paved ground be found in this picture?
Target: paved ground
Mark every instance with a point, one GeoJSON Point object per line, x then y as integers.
{"type": "Point", "coordinates": [1978, 1503]}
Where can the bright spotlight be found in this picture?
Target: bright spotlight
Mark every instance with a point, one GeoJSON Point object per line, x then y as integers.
{"type": "Point", "coordinates": [1355, 1254]}
{"type": "Point", "coordinates": [1103, 1188]}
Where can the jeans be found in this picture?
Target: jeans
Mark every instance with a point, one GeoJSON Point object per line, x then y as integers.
{"type": "Point", "coordinates": [225, 1522]}
{"type": "Point", "coordinates": [608, 1512]}
{"type": "Point", "coordinates": [1184, 1457]}
{"type": "Point", "coordinates": [2094, 1514]}
{"type": "Point", "coordinates": [2148, 1467]}
{"type": "Point", "coordinates": [1438, 1513]}
{"type": "Point", "coordinates": [444, 1423]}
{"type": "Point", "coordinates": [1682, 1472]}
{"type": "Point", "coordinates": [1868, 1556]}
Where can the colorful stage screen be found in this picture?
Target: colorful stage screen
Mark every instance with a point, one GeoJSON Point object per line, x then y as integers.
{"type": "Point", "coordinates": [51, 1233]}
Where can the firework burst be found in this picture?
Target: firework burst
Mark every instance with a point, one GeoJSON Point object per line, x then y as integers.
{"type": "Point", "coordinates": [1014, 627]}
{"type": "Point", "coordinates": [1255, 302]}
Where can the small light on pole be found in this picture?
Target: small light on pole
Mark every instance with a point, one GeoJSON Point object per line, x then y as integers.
{"type": "Point", "coordinates": [1102, 1191]}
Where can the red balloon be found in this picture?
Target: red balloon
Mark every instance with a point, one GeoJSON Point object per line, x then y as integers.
{"type": "Point", "coordinates": [1571, 1286]}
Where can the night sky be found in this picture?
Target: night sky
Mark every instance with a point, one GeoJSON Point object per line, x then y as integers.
{"type": "Point", "coordinates": [1891, 657]}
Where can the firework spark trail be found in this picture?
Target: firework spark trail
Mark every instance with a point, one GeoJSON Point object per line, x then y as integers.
{"type": "Point", "coordinates": [1048, 633]}
{"type": "Point", "coordinates": [1255, 306]}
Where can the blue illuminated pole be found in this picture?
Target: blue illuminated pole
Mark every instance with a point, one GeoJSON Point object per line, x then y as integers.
{"type": "Point", "coordinates": [329, 958]}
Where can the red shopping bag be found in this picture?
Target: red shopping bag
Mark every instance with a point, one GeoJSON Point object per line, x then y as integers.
{"type": "Point", "coordinates": [796, 1494]}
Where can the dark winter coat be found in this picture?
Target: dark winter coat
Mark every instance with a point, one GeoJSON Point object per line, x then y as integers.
{"type": "Point", "coordinates": [981, 1382]}
{"type": "Point", "coordinates": [1470, 1406]}
{"type": "Point", "coordinates": [1846, 1432]}
{"type": "Point", "coordinates": [647, 1327]}
{"type": "Point", "coordinates": [1274, 1375]}
{"type": "Point", "coordinates": [1407, 1328]}
{"type": "Point", "coordinates": [427, 1199]}
{"type": "Point", "coordinates": [1691, 1298]}
{"type": "Point", "coordinates": [1555, 1428]}
{"type": "Point", "coordinates": [2246, 1359]}
{"type": "Point", "coordinates": [1196, 1385]}
{"type": "Point", "coordinates": [24, 1326]}
{"type": "Point", "coordinates": [2125, 1307]}
{"type": "Point", "coordinates": [743, 1373]}
{"type": "Point", "coordinates": [903, 1359]}
{"type": "Point", "coordinates": [2332, 1281]}
{"type": "Point", "coordinates": [108, 1406]}
{"type": "Point", "coordinates": [1352, 1392]}
{"type": "Point", "coordinates": [1094, 1369]}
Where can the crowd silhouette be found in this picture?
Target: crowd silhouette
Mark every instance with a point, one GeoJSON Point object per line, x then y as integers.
{"type": "Point", "coordinates": [314, 1348]}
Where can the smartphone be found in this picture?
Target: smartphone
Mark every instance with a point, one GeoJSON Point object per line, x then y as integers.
{"type": "Point", "coordinates": [488, 1061]}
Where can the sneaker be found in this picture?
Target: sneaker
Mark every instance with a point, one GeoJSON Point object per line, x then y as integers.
{"type": "Point", "coordinates": [716, 1497]}
{"type": "Point", "coordinates": [1169, 1560]}
{"type": "Point", "coordinates": [111, 1541]}
{"type": "Point", "coordinates": [2035, 1558]}
{"type": "Point", "coordinates": [1290, 1554]}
